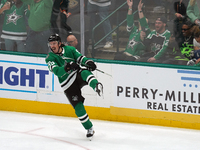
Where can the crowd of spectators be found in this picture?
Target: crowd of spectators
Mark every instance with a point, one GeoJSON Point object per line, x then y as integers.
{"type": "Point", "coordinates": [162, 44]}
{"type": "Point", "coordinates": [26, 25]}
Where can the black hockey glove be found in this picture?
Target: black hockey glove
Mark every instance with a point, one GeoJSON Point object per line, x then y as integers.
{"type": "Point", "coordinates": [91, 65]}
{"type": "Point", "coordinates": [71, 66]}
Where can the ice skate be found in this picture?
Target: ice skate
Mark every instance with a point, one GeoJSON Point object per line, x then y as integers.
{"type": "Point", "coordinates": [99, 89]}
{"type": "Point", "coordinates": [90, 133]}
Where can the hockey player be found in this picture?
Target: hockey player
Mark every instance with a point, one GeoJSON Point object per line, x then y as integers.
{"type": "Point", "coordinates": [64, 62]}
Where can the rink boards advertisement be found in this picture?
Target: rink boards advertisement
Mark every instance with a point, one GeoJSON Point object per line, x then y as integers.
{"type": "Point", "coordinates": [159, 89]}
{"type": "Point", "coordinates": [27, 78]}
{"type": "Point", "coordinates": [132, 93]}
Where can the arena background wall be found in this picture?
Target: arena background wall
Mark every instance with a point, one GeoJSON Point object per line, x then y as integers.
{"type": "Point", "coordinates": [154, 94]}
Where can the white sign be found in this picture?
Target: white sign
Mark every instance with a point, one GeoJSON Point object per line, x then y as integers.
{"type": "Point", "coordinates": [26, 78]}
{"type": "Point", "coordinates": [160, 89]}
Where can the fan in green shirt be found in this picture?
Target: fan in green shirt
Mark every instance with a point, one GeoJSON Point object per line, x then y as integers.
{"type": "Point", "coordinates": [135, 47]}
{"type": "Point", "coordinates": [14, 26]}
{"type": "Point", "coordinates": [193, 11]}
{"type": "Point", "coordinates": [39, 23]}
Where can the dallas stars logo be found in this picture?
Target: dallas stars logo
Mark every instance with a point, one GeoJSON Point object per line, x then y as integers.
{"type": "Point", "coordinates": [75, 98]}
{"type": "Point", "coordinates": [132, 43]}
{"type": "Point", "coordinates": [13, 17]}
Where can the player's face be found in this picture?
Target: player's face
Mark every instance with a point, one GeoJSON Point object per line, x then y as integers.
{"type": "Point", "coordinates": [55, 46]}
{"type": "Point", "coordinates": [159, 25]}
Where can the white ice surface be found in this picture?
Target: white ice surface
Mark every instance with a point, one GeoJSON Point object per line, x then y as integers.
{"type": "Point", "coordinates": [24, 131]}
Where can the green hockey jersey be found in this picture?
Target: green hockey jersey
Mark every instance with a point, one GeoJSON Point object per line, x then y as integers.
{"type": "Point", "coordinates": [56, 64]}
{"type": "Point", "coordinates": [14, 26]}
{"type": "Point", "coordinates": [134, 47]}
{"type": "Point", "coordinates": [158, 42]}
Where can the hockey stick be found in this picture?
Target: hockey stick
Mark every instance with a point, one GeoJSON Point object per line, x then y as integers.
{"type": "Point", "coordinates": [103, 72]}
{"type": "Point", "coordinates": [99, 70]}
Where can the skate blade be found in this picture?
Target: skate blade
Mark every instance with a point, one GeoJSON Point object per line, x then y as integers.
{"type": "Point", "coordinates": [90, 138]}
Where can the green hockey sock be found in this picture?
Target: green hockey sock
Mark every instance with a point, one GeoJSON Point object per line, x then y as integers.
{"type": "Point", "coordinates": [83, 116]}
{"type": "Point", "coordinates": [90, 78]}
